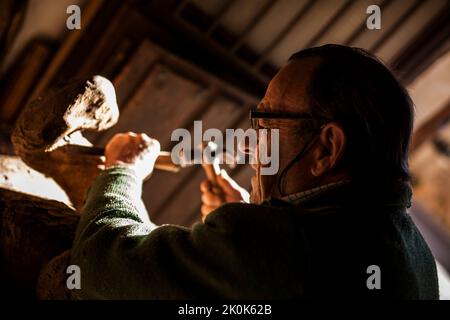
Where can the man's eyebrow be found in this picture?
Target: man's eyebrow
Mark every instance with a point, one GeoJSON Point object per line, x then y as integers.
{"type": "Point", "coordinates": [265, 106]}
{"type": "Point", "coordinates": [269, 122]}
{"type": "Point", "coordinates": [261, 106]}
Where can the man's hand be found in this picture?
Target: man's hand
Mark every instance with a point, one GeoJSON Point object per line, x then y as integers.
{"type": "Point", "coordinates": [135, 151]}
{"type": "Point", "coordinates": [229, 191]}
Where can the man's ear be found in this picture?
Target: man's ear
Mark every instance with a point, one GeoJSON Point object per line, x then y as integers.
{"type": "Point", "coordinates": [329, 148]}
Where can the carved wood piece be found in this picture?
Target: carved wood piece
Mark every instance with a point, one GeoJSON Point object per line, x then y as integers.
{"type": "Point", "coordinates": [57, 119]}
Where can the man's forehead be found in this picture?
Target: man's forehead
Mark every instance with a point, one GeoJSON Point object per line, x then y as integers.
{"type": "Point", "coordinates": [287, 90]}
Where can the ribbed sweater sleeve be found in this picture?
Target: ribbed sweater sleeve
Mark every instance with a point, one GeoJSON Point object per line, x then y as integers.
{"type": "Point", "coordinates": [122, 255]}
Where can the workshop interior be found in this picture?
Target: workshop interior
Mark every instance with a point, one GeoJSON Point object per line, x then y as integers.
{"type": "Point", "coordinates": [174, 62]}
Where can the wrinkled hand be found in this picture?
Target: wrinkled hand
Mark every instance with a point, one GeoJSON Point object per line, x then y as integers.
{"type": "Point", "coordinates": [135, 151]}
{"type": "Point", "coordinates": [226, 191]}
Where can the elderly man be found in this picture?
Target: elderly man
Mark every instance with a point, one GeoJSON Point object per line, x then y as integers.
{"type": "Point", "coordinates": [331, 223]}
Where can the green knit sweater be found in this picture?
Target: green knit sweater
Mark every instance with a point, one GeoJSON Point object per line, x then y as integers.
{"type": "Point", "coordinates": [321, 248]}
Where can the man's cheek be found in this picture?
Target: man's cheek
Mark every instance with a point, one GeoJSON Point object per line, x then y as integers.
{"type": "Point", "coordinates": [269, 154]}
{"type": "Point", "coordinates": [266, 186]}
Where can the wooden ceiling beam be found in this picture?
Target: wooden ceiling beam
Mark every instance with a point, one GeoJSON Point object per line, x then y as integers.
{"type": "Point", "coordinates": [428, 46]}
{"type": "Point", "coordinates": [429, 128]}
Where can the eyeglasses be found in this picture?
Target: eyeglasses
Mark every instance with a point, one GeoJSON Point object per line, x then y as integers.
{"type": "Point", "coordinates": [256, 115]}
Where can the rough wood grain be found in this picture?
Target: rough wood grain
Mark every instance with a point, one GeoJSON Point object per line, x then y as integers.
{"type": "Point", "coordinates": [17, 176]}
{"type": "Point", "coordinates": [32, 232]}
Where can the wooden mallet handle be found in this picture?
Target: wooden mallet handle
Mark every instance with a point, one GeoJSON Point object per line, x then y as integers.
{"type": "Point", "coordinates": [163, 162]}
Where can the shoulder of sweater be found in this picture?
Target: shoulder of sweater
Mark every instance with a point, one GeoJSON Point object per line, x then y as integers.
{"type": "Point", "coordinates": [231, 217]}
